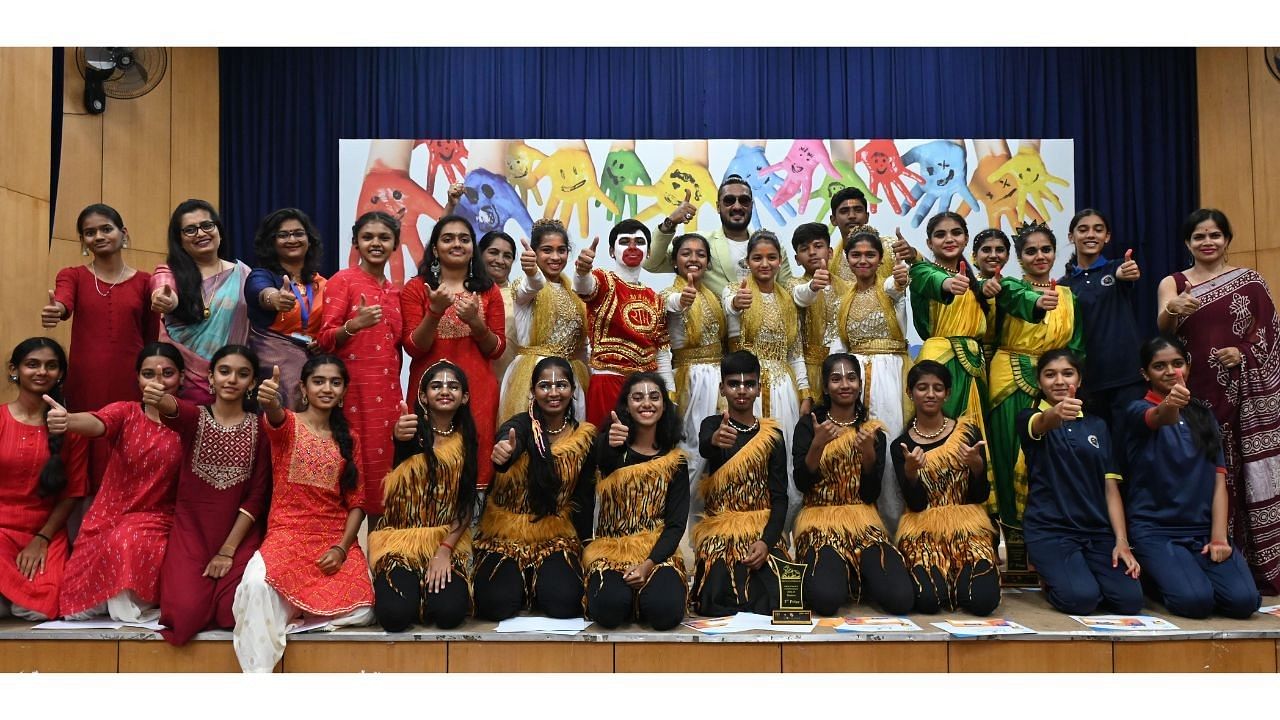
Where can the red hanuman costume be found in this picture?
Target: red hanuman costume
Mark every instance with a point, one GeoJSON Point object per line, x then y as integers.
{"type": "Point", "coordinates": [627, 324]}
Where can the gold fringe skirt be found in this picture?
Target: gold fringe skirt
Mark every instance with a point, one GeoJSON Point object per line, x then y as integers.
{"type": "Point", "coordinates": [947, 537]}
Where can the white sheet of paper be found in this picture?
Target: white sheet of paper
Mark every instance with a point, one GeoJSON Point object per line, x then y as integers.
{"type": "Point", "coordinates": [103, 624]}
{"type": "Point", "coordinates": [752, 621]}
{"type": "Point", "coordinates": [1124, 623]}
{"type": "Point", "coordinates": [877, 624]}
{"type": "Point", "coordinates": [1270, 610]}
{"type": "Point", "coordinates": [304, 625]}
{"type": "Point", "coordinates": [539, 624]}
{"type": "Point", "coordinates": [976, 628]}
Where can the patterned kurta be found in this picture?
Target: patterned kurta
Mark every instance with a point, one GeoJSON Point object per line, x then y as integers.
{"type": "Point", "coordinates": [123, 538]}
{"type": "Point", "coordinates": [372, 357]}
{"type": "Point", "coordinates": [308, 516]}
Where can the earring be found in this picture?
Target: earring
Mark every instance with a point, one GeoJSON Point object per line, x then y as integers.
{"type": "Point", "coordinates": [125, 244]}
{"type": "Point", "coordinates": [13, 378]}
{"type": "Point", "coordinates": [84, 250]}
{"type": "Point", "coordinates": [340, 402]}
{"type": "Point", "coordinates": [435, 268]}
{"type": "Point", "coordinates": [305, 402]}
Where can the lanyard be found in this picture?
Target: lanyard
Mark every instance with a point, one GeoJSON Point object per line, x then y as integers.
{"type": "Point", "coordinates": [304, 302]}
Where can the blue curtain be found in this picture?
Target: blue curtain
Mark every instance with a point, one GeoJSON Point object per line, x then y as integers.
{"type": "Point", "coordinates": [1132, 113]}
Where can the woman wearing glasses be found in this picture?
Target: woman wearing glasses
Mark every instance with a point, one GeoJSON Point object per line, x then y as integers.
{"type": "Point", "coordinates": [200, 295]}
{"type": "Point", "coordinates": [285, 296]}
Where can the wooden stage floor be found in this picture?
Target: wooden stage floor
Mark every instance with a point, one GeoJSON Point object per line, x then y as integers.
{"type": "Point", "coordinates": [1060, 645]}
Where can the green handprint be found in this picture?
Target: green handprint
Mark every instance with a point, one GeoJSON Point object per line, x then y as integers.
{"type": "Point", "coordinates": [828, 189]}
{"type": "Point", "coordinates": [621, 169]}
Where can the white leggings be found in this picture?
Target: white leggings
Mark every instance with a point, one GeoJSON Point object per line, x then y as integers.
{"type": "Point", "coordinates": [124, 606]}
{"type": "Point", "coordinates": [263, 619]}
{"type": "Point", "coordinates": [8, 608]}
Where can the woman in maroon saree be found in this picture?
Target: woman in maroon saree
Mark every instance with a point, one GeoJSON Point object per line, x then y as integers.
{"type": "Point", "coordinates": [1226, 318]}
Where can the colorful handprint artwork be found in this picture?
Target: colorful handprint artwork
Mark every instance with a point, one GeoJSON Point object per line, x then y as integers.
{"type": "Point", "coordinates": [683, 179]}
{"type": "Point", "coordinates": [573, 182]}
{"type": "Point", "coordinates": [942, 164]}
{"type": "Point", "coordinates": [488, 201]}
{"type": "Point", "coordinates": [622, 169]}
{"type": "Point", "coordinates": [799, 164]}
{"type": "Point", "coordinates": [833, 185]}
{"type": "Point", "coordinates": [395, 193]}
{"type": "Point", "coordinates": [886, 170]}
{"type": "Point", "coordinates": [446, 156]}
{"type": "Point", "coordinates": [519, 162]}
{"type": "Point", "coordinates": [1033, 180]}
{"type": "Point", "coordinates": [749, 163]}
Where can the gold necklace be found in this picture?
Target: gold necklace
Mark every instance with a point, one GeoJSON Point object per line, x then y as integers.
{"type": "Point", "coordinates": [560, 429]}
{"type": "Point", "coordinates": [833, 419]}
{"type": "Point", "coordinates": [93, 270]}
{"type": "Point", "coordinates": [915, 428]}
{"type": "Point", "coordinates": [446, 433]}
{"type": "Point", "coordinates": [1033, 283]}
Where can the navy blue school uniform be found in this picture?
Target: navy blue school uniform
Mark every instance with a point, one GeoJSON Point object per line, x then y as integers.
{"type": "Point", "coordinates": [1111, 341]}
{"type": "Point", "coordinates": [1170, 512]}
{"type": "Point", "coordinates": [1066, 525]}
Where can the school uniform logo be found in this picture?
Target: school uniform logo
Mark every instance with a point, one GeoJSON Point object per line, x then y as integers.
{"type": "Point", "coordinates": [1093, 440]}
{"type": "Point", "coordinates": [1108, 280]}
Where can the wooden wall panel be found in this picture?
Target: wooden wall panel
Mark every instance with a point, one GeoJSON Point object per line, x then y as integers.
{"type": "Point", "coordinates": [58, 656]}
{"type": "Point", "coordinates": [135, 164]}
{"type": "Point", "coordinates": [1030, 656]}
{"type": "Point", "coordinates": [651, 657]}
{"type": "Point", "coordinates": [1196, 656]}
{"type": "Point", "coordinates": [137, 656]}
{"type": "Point", "coordinates": [1264, 108]}
{"type": "Point", "coordinates": [72, 86]}
{"type": "Point", "coordinates": [26, 102]}
{"type": "Point", "coordinates": [80, 174]}
{"type": "Point", "coordinates": [842, 657]}
{"type": "Point", "coordinates": [24, 227]}
{"type": "Point", "coordinates": [325, 656]}
{"type": "Point", "coordinates": [195, 107]}
{"type": "Point", "coordinates": [1226, 180]}
{"type": "Point", "coordinates": [527, 657]}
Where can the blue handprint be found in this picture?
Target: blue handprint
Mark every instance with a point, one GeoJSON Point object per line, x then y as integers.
{"type": "Point", "coordinates": [747, 164]}
{"type": "Point", "coordinates": [942, 163]}
{"type": "Point", "coordinates": [622, 168]}
{"type": "Point", "coordinates": [488, 201]}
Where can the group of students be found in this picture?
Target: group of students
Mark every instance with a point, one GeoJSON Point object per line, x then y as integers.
{"type": "Point", "coordinates": [262, 420]}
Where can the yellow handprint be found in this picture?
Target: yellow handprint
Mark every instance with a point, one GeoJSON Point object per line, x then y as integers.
{"type": "Point", "coordinates": [573, 182]}
{"type": "Point", "coordinates": [1033, 180]}
{"type": "Point", "coordinates": [684, 179]}
{"type": "Point", "coordinates": [519, 162]}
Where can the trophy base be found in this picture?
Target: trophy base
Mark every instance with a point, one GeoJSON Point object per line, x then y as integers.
{"type": "Point", "coordinates": [792, 617]}
{"type": "Point", "coordinates": [1019, 578]}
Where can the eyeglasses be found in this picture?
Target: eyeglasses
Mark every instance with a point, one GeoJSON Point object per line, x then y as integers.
{"type": "Point", "coordinates": [192, 230]}
{"type": "Point", "coordinates": [731, 200]}
{"type": "Point", "coordinates": [298, 234]}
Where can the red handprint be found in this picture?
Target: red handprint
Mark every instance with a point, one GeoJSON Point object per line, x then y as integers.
{"type": "Point", "coordinates": [885, 164]}
{"type": "Point", "coordinates": [398, 195]}
{"type": "Point", "coordinates": [446, 155]}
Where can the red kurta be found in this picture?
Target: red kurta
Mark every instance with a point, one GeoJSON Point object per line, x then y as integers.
{"type": "Point", "coordinates": [122, 540]}
{"type": "Point", "coordinates": [224, 471]}
{"type": "Point", "coordinates": [627, 325]}
{"type": "Point", "coordinates": [372, 357]}
{"type": "Point", "coordinates": [308, 516]}
{"type": "Point", "coordinates": [110, 324]}
{"type": "Point", "coordinates": [454, 343]}
{"type": "Point", "coordinates": [23, 452]}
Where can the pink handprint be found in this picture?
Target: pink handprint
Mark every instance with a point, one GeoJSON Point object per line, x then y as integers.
{"type": "Point", "coordinates": [799, 164]}
{"type": "Point", "coordinates": [446, 155]}
{"type": "Point", "coordinates": [887, 170]}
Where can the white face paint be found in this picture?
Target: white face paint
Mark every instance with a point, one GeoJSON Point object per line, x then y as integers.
{"type": "Point", "coordinates": [630, 250]}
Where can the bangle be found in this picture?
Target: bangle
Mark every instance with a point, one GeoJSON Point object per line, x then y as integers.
{"type": "Point", "coordinates": [45, 538]}
{"type": "Point", "coordinates": [446, 545]}
{"type": "Point", "coordinates": [347, 330]}
{"type": "Point", "coordinates": [222, 554]}
{"type": "Point", "coordinates": [339, 549]}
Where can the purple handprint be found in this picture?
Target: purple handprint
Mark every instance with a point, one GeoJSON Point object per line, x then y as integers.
{"type": "Point", "coordinates": [943, 164]}
{"type": "Point", "coordinates": [748, 163]}
{"type": "Point", "coordinates": [488, 201]}
{"type": "Point", "coordinates": [800, 162]}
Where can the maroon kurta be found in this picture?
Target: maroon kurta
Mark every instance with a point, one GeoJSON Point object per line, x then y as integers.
{"type": "Point", "coordinates": [223, 471]}
{"type": "Point", "coordinates": [372, 357]}
{"type": "Point", "coordinates": [109, 325]}
{"type": "Point", "coordinates": [122, 540]}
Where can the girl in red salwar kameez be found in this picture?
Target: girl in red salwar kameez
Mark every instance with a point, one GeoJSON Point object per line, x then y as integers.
{"type": "Point", "coordinates": [362, 326]}
{"type": "Point", "coordinates": [1226, 318]}
{"type": "Point", "coordinates": [109, 304]}
{"type": "Point", "coordinates": [453, 311]}
{"type": "Point", "coordinates": [115, 566]}
{"type": "Point", "coordinates": [42, 477]}
{"type": "Point", "coordinates": [310, 562]}
{"type": "Point", "coordinates": [223, 486]}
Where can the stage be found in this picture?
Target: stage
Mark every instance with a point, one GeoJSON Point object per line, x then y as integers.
{"type": "Point", "coordinates": [1060, 645]}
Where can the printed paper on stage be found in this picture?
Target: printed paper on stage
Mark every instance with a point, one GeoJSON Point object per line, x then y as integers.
{"type": "Point", "coordinates": [1124, 623]}
{"type": "Point", "coordinates": [876, 624]}
{"type": "Point", "coordinates": [978, 628]}
{"type": "Point", "coordinates": [539, 624]}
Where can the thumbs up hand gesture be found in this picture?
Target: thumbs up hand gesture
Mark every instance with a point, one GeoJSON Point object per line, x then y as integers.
{"type": "Point", "coordinates": [51, 314]}
{"type": "Point", "coordinates": [587, 258]}
{"type": "Point", "coordinates": [56, 419]}
{"type": "Point", "coordinates": [406, 424]}
{"type": "Point", "coordinates": [1128, 269]}
{"type": "Point", "coordinates": [163, 300]}
{"type": "Point", "coordinates": [504, 449]}
{"type": "Point", "coordinates": [618, 432]}
{"type": "Point", "coordinates": [725, 435]}
{"type": "Point", "coordinates": [269, 391]}
{"type": "Point", "coordinates": [528, 260]}
{"type": "Point", "coordinates": [284, 300]}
